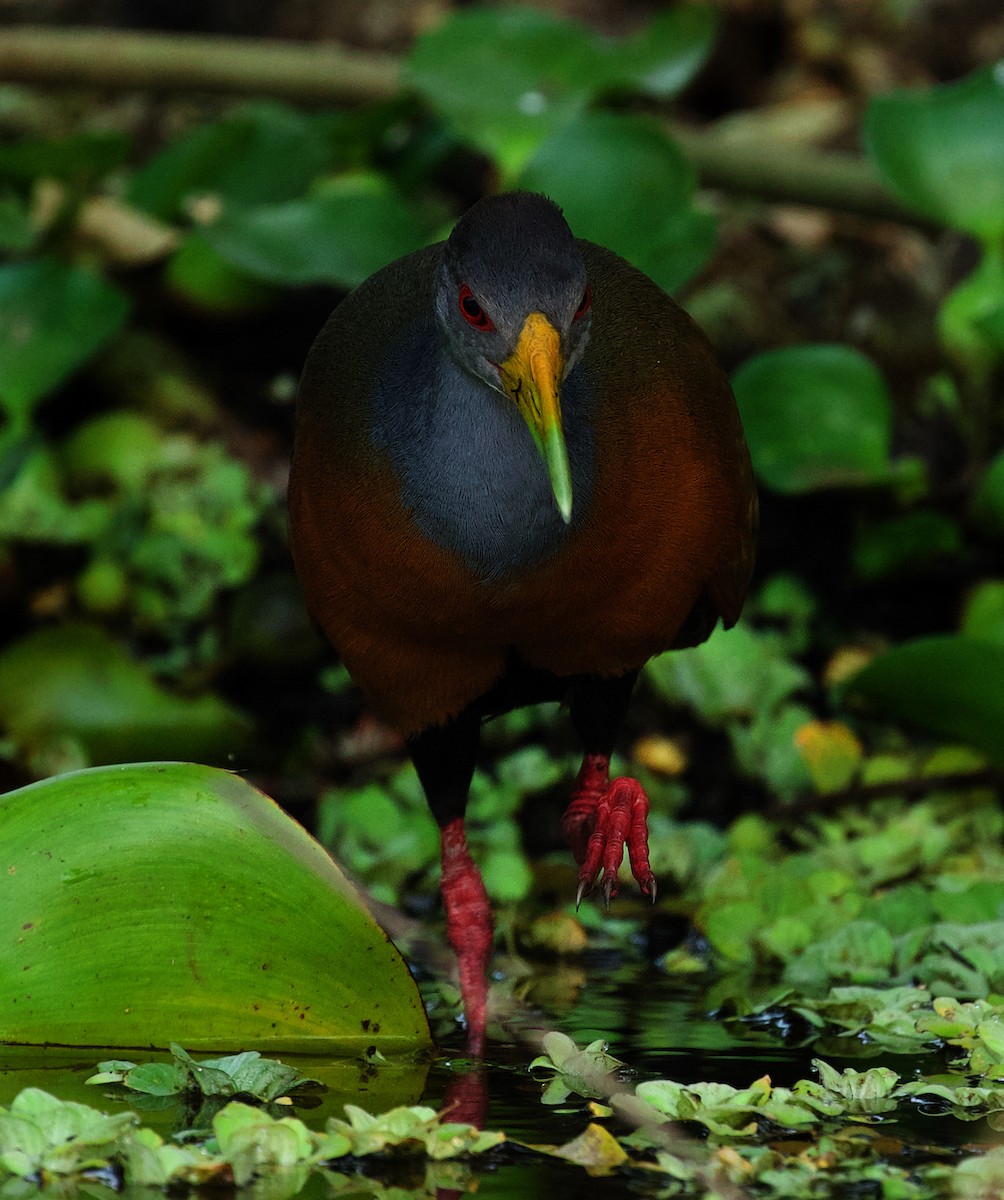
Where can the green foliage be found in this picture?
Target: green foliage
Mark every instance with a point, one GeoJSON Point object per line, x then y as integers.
{"type": "Point", "coordinates": [246, 1074]}
{"type": "Point", "coordinates": [385, 836]}
{"type": "Point", "coordinates": [586, 1072]}
{"type": "Point", "coordinates": [135, 500]}
{"type": "Point", "coordinates": [815, 416]}
{"type": "Point", "coordinates": [44, 1137]}
{"type": "Point", "coordinates": [940, 149]}
{"type": "Point", "coordinates": [769, 1129]}
{"type": "Point", "coordinates": [260, 154]}
{"type": "Point", "coordinates": [653, 224]}
{"type": "Point", "coordinates": [747, 682]}
{"type": "Point", "coordinates": [518, 84]}
{"type": "Point", "coordinates": [50, 1140]}
{"type": "Point", "coordinates": [509, 78]}
{"type": "Point", "coordinates": [170, 523]}
{"type": "Point", "coordinates": [220, 920]}
{"type": "Point", "coordinates": [53, 318]}
{"type": "Point", "coordinates": [72, 696]}
{"type": "Point", "coordinates": [947, 684]}
{"type": "Point", "coordinates": [988, 497]}
{"type": "Point", "coordinates": [905, 893]}
{"type": "Point", "coordinates": [344, 230]}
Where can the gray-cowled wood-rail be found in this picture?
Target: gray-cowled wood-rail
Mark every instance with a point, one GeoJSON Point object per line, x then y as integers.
{"type": "Point", "coordinates": [518, 473]}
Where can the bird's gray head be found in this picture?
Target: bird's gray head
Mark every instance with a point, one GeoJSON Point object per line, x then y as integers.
{"type": "Point", "coordinates": [513, 306]}
{"type": "Point", "coordinates": [509, 256]}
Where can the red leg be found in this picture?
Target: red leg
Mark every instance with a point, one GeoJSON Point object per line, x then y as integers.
{"type": "Point", "coordinates": [469, 928]}
{"type": "Point", "coordinates": [602, 816]}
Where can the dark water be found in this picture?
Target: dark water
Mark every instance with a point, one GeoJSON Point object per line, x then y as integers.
{"type": "Point", "coordinates": [657, 1026]}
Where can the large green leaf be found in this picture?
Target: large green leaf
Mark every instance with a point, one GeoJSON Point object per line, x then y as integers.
{"type": "Point", "coordinates": [163, 902]}
{"type": "Point", "coordinates": [661, 59]}
{"type": "Point", "coordinates": [261, 154]}
{"type": "Point", "coordinates": [53, 317]}
{"type": "Point", "coordinates": [341, 233]}
{"type": "Point", "coordinates": [815, 416]}
{"type": "Point", "coordinates": [507, 78]}
{"type": "Point", "coordinates": [74, 684]}
{"type": "Point", "coordinates": [948, 684]}
{"type": "Point", "coordinates": [942, 149]}
{"type": "Point", "coordinates": [651, 223]}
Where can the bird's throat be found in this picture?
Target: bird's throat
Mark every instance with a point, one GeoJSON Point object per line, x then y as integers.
{"type": "Point", "coordinates": [471, 474]}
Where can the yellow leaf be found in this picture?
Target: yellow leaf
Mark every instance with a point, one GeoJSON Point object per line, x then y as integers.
{"type": "Point", "coordinates": [831, 752]}
{"type": "Point", "coordinates": [596, 1149]}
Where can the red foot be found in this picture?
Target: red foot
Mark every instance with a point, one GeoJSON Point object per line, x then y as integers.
{"type": "Point", "coordinates": [469, 928]}
{"type": "Point", "coordinates": [466, 1099]}
{"type": "Point", "coordinates": [603, 815]}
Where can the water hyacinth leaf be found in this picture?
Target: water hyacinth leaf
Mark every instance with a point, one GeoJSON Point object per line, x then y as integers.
{"type": "Point", "coordinates": [340, 234]}
{"type": "Point", "coordinates": [941, 149]}
{"type": "Point", "coordinates": [73, 682]}
{"type": "Point", "coordinates": [262, 154]}
{"type": "Point", "coordinates": [53, 318]}
{"type": "Point", "coordinates": [146, 903]}
{"type": "Point", "coordinates": [505, 78]}
{"type": "Point", "coordinates": [661, 59]}
{"type": "Point", "coordinates": [949, 685]}
{"type": "Point", "coordinates": [671, 247]}
{"type": "Point", "coordinates": [815, 417]}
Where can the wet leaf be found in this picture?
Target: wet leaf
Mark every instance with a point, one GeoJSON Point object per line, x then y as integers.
{"type": "Point", "coordinates": [181, 862]}
{"type": "Point", "coordinates": [596, 1149]}
{"type": "Point", "coordinates": [585, 1072]}
{"type": "Point", "coordinates": [661, 59]}
{"type": "Point", "coordinates": [246, 1074]}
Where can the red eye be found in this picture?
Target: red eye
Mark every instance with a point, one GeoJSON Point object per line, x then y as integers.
{"type": "Point", "coordinates": [584, 303]}
{"type": "Point", "coordinates": [474, 314]}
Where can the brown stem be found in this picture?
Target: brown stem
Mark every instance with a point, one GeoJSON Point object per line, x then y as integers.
{"type": "Point", "coordinates": [325, 74]}
{"type": "Point", "coordinates": [115, 60]}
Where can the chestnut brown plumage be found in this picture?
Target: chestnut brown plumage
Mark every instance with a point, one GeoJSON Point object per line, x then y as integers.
{"type": "Point", "coordinates": [518, 474]}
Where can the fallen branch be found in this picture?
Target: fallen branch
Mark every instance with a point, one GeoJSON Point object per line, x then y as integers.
{"type": "Point", "coordinates": [113, 60]}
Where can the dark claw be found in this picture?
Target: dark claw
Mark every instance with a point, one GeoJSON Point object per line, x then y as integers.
{"type": "Point", "coordinates": [652, 889]}
{"type": "Point", "coordinates": [583, 888]}
{"type": "Point", "coordinates": [609, 886]}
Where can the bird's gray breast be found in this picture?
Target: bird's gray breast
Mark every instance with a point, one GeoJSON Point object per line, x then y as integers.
{"type": "Point", "coordinates": [470, 471]}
